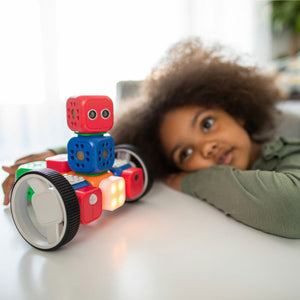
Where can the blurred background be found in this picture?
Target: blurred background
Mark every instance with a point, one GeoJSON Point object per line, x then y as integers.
{"type": "Point", "coordinates": [51, 50]}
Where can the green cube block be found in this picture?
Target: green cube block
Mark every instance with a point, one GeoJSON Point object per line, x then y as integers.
{"type": "Point", "coordinates": [35, 165]}
{"type": "Point", "coordinates": [29, 167]}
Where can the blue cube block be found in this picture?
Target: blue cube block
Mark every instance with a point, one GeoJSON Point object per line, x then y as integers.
{"type": "Point", "coordinates": [91, 154]}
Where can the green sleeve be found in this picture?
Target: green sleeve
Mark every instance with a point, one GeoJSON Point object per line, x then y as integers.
{"type": "Point", "coordinates": [59, 150]}
{"type": "Point", "coordinates": [265, 200]}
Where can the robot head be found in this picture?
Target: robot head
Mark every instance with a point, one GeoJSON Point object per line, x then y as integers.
{"type": "Point", "coordinates": [90, 114]}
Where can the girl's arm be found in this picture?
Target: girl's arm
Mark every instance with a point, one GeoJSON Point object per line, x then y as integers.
{"type": "Point", "coordinates": [265, 200]}
{"type": "Point", "coordinates": [174, 180]}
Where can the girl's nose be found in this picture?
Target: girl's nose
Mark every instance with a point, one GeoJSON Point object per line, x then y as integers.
{"type": "Point", "coordinates": [209, 149]}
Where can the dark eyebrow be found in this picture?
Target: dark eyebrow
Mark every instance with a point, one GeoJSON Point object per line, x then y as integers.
{"type": "Point", "coordinates": [193, 123]}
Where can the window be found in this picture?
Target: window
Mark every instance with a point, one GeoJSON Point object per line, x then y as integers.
{"type": "Point", "coordinates": [52, 50]}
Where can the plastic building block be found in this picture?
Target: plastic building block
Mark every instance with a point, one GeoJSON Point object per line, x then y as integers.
{"type": "Point", "coordinates": [91, 154]}
{"type": "Point", "coordinates": [93, 180]}
{"type": "Point", "coordinates": [113, 192]}
{"type": "Point", "coordinates": [134, 180]}
{"type": "Point", "coordinates": [58, 163]}
{"type": "Point", "coordinates": [119, 166]}
{"type": "Point", "coordinates": [35, 165]}
{"type": "Point", "coordinates": [90, 202]}
{"type": "Point", "coordinates": [90, 114]}
{"type": "Point", "coordinates": [77, 182]}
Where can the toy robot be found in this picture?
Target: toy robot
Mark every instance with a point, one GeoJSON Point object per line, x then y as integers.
{"type": "Point", "coordinates": [50, 199]}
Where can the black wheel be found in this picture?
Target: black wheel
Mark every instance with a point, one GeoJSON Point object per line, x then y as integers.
{"type": "Point", "coordinates": [134, 157]}
{"type": "Point", "coordinates": [52, 217]}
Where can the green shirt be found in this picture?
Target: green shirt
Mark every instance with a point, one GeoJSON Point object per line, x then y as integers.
{"type": "Point", "coordinates": [267, 197]}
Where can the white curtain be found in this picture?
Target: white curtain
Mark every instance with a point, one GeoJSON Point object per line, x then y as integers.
{"type": "Point", "coordinates": [51, 50]}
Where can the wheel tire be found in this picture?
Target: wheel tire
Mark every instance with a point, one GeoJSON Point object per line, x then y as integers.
{"type": "Point", "coordinates": [134, 156]}
{"type": "Point", "coordinates": [25, 217]}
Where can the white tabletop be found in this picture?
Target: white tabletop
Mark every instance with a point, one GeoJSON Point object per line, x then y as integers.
{"type": "Point", "coordinates": [166, 246]}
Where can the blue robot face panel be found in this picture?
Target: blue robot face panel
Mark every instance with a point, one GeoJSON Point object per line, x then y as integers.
{"type": "Point", "coordinates": [91, 154]}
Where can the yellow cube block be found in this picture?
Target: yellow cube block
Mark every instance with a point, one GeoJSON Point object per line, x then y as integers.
{"type": "Point", "coordinates": [113, 192]}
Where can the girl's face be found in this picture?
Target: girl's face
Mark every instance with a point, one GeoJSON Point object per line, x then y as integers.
{"type": "Point", "coordinates": [196, 138]}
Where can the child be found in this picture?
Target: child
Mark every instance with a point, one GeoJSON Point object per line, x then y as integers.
{"type": "Point", "coordinates": [201, 126]}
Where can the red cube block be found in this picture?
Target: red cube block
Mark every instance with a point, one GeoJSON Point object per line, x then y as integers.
{"type": "Point", "coordinates": [90, 114]}
{"type": "Point", "coordinates": [90, 202]}
{"type": "Point", "coordinates": [134, 181]}
{"type": "Point", "coordinates": [58, 163]}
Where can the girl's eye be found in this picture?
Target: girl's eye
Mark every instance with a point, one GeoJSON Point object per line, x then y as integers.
{"type": "Point", "coordinates": [184, 154]}
{"type": "Point", "coordinates": [207, 123]}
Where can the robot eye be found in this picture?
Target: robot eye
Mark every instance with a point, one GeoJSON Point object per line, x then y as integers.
{"type": "Point", "coordinates": [92, 114]}
{"type": "Point", "coordinates": [105, 113]}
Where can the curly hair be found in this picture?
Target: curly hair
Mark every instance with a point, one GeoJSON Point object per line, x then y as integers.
{"type": "Point", "coordinates": [190, 75]}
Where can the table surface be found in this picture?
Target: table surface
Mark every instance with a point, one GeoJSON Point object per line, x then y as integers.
{"type": "Point", "coordinates": [166, 246]}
